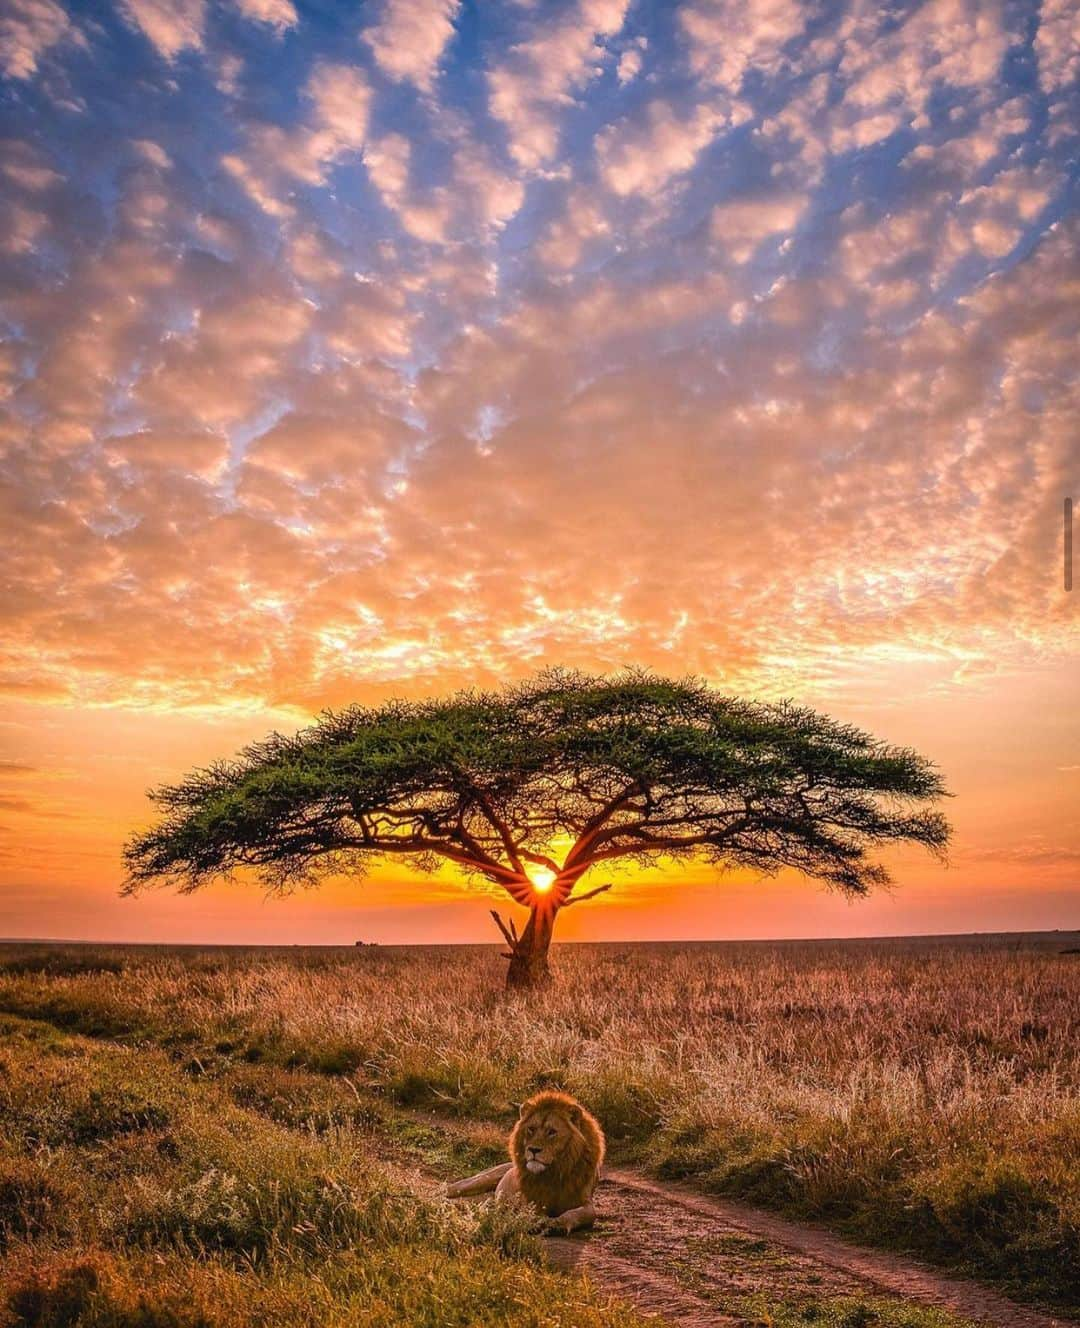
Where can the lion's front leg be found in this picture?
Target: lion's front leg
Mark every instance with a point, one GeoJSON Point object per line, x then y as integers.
{"type": "Point", "coordinates": [572, 1220]}
{"type": "Point", "coordinates": [482, 1183]}
{"type": "Point", "coordinates": [509, 1185]}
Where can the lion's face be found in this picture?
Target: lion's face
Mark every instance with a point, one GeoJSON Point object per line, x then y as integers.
{"type": "Point", "coordinates": [556, 1148]}
{"type": "Point", "coordinates": [545, 1135]}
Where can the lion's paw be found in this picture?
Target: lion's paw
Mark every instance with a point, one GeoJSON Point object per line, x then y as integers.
{"type": "Point", "coordinates": [555, 1226]}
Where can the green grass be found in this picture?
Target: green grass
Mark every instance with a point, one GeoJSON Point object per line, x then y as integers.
{"type": "Point", "coordinates": [840, 1312]}
{"type": "Point", "coordinates": [391, 1285]}
{"type": "Point", "coordinates": [134, 1194]}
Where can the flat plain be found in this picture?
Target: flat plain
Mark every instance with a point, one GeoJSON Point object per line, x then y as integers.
{"type": "Point", "coordinates": [210, 1137]}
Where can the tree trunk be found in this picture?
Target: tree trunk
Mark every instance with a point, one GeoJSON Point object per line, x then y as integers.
{"type": "Point", "coordinates": [529, 961]}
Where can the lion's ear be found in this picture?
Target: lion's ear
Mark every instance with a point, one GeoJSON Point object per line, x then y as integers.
{"type": "Point", "coordinates": [574, 1112]}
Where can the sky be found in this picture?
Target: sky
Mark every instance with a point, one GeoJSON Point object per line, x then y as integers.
{"type": "Point", "coordinates": [362, 350]}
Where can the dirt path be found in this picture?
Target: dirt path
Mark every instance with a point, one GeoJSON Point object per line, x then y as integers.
{"type": "Point", "coordinates": [683, 1254]}
{"type": "Point", "coordinates": [688, 1256]}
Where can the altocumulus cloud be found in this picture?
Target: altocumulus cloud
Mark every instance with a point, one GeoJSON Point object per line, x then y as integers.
{"type": "Point", "coordinates": [425, 344]}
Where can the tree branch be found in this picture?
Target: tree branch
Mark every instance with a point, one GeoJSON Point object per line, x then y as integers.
{"type": "Point", "coordinates": [509, 933]}
{"type": "Point", "coordinates": [541, 860]}
{"type": "Point", "coordinates": [595, 823]}
{"type": "Point", "coordinates": [647, 841]}
{"type": "Point", "coordinates": [589, 894]}
{"type": "Point", "coordinates": [474, 853]}
{"type": "Point", "coordinates": [498, 825]}
{"type": "Point", "coordinates": [413, 845]}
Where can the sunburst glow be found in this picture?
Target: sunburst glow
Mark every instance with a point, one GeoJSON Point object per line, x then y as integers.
{"type": "Point", "coordinates": [543, 878]}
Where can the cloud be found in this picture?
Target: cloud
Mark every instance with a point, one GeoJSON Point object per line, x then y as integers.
{"type": "Point", "coordinates": [568, 235]}
{"type": "Point", "coordinates": [537, 79]}
{"type": "Point", "coordinates": [410, 36]}
{"type": "Point", "coordinates": [367, 319]}
{"type": "Point", "coordinates": [868, 77]}
{"type": "Point", "coordinates": [315, 448]}
{"type": "Point", "coordinates": [171, 26]}
{"type": "Point", "coordinates": [278, 14]}
{"type": "Point", "coordinates": [455, 398]}
{"type": "Point", "coordinates": [339, 100]}
{"type": "Point", "coordinates": [425, 217]}
{"type": "Point", "coordinates": [387, 160]}
{"type": "Point", "coordinates": [152, 152]}
{"type": "Point", "coordinates": [202, 454]}
{"type": "Point", "coordinates": [348, 363]}
{"type": "Point", "coordinates": [218, 375]}
{"type": "Point", "coordinates": [28, 30]}
{"type": "Point", "coordinates": [487, 193]}
{"type": "Point", "coordinates": [1035, 851]}
{"type": "Point", "coordinates": [727, 39]}
{"type": "Point", "coordinates": [966, 149]}
{"type": "Point", "coordinates": [631, 61]}
{"type": "Point", "coordinates": [939, 42]}
{"type": "Point", "coordinates": [642, 155]}
{"type": "Point", "coordinates": [478, 197]}
{"type": "Point", "coordinates": [740, 225]}
{"type": "Point", "coordinates": [1057, 45]}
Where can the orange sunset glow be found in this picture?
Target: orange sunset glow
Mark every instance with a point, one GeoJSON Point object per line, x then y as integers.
{"type": "Point", "coordinates": [355, 354]}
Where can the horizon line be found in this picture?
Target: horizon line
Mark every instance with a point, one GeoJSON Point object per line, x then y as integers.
{"type": "Point", "coordinates": [431, 945]}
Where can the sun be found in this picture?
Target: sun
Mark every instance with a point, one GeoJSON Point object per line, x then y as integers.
{"type": "Point", "coordinates": [543, 878]}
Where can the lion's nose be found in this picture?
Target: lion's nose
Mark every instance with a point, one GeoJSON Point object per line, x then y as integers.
{"type": "Point", "coordinates": [533, 1150]}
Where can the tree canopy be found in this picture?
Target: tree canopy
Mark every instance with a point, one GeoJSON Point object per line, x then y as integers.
{"type": "Point", "coordinates": [627, 767]}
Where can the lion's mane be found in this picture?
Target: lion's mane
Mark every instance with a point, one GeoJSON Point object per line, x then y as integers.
{"type": "Point", "coordinates": [569, 1181]}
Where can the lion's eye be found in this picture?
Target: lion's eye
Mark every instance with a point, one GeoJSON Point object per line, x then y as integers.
{"type": "Point", "coordinates": [551, 1134]}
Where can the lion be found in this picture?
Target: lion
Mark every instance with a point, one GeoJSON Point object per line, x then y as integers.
{"type": "Point", "coordinates": [556, 1151]}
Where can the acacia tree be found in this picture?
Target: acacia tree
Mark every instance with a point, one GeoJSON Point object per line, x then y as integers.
{"type": "Point", "coordinates": [536, 786]}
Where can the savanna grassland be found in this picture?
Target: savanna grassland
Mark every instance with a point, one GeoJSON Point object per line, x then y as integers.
{"type": "Point", "coordinates": [218, 1137]}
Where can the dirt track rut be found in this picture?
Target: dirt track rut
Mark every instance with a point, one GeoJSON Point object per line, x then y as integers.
{"type": "Point", "coordinates": [684, 1255]}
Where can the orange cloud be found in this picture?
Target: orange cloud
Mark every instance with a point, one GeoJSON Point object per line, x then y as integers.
{"type": "Point", "coordinates": [335, 370]}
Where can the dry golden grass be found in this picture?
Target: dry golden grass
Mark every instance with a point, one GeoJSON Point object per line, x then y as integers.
{"type": "Point", "coordinates": [918, 1093]}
